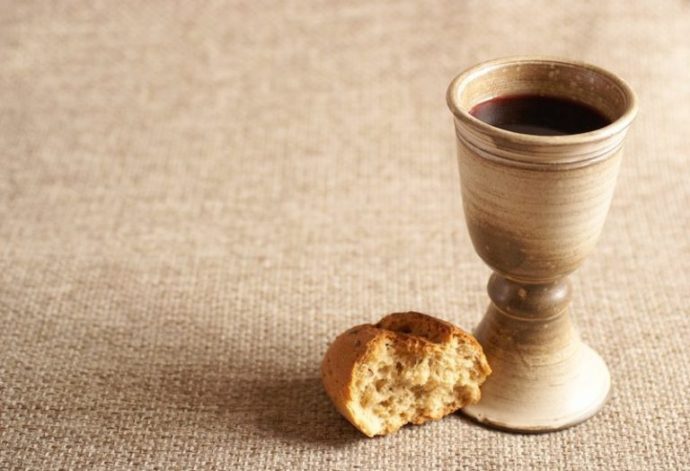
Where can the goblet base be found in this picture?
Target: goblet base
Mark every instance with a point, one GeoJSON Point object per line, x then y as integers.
{"type": "Point", "coordinates": [542, 398]}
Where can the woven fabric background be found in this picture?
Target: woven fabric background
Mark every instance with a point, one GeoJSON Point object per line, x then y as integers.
{"type": "Point", "coordinates": [196, 197]}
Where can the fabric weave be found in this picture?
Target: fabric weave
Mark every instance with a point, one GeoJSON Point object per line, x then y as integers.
{"type": "Point", "coordinates": [196, 197]}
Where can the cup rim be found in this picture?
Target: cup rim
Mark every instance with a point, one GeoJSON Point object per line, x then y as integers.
{"type": "Point", "coordinates": [611, 129]}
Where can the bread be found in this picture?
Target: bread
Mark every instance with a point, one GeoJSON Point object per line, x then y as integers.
{"type": "Point", "coordinates": [408, 368]}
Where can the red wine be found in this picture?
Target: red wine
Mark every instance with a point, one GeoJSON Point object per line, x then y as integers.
{"type": "Point", "coordinates": [541, 115]}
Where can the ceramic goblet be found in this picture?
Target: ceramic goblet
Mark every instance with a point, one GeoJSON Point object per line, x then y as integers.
{"type": "Point", "coordinates": [535, 206]}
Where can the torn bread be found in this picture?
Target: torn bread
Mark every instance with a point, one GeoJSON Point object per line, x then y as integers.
{"type": "Point", "coordinates": [408, 368]}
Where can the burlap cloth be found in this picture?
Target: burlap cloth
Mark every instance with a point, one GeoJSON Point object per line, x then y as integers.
{"type": "Point", "coordinates": [196, 197]}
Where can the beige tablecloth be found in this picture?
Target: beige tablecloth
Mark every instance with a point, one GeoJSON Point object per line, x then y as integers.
{"type": "Point", "coordinates": [196, 197]}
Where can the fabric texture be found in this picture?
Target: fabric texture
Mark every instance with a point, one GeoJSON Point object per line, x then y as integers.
{"type": "Point", "coordinates": [196, 197]}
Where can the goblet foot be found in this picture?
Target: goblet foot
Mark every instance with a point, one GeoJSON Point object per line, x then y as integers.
{"type": "Point", "coordinates": [544, 377]}
{"type": "Point", "coordinates": [542, 401]}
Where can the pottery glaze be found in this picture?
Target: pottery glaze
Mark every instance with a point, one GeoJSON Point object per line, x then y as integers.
{"type": "Point", "coordinates": [535, 207]}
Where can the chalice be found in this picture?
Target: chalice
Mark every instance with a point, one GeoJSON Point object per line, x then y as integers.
{"type": "Point", "coordinates": [539, 145]}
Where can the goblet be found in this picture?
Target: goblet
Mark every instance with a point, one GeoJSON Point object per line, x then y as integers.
{"type": "Point", "coordinates": [535, 206]}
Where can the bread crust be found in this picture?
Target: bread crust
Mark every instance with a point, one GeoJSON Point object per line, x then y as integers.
{"type": "Point", "coordinates": [413, 332]}
{"type": "Point", "coordinates": [349, 349]}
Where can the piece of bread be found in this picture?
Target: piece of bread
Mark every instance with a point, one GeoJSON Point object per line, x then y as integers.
{"type": "Point", "coordinates": [409, 367]}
